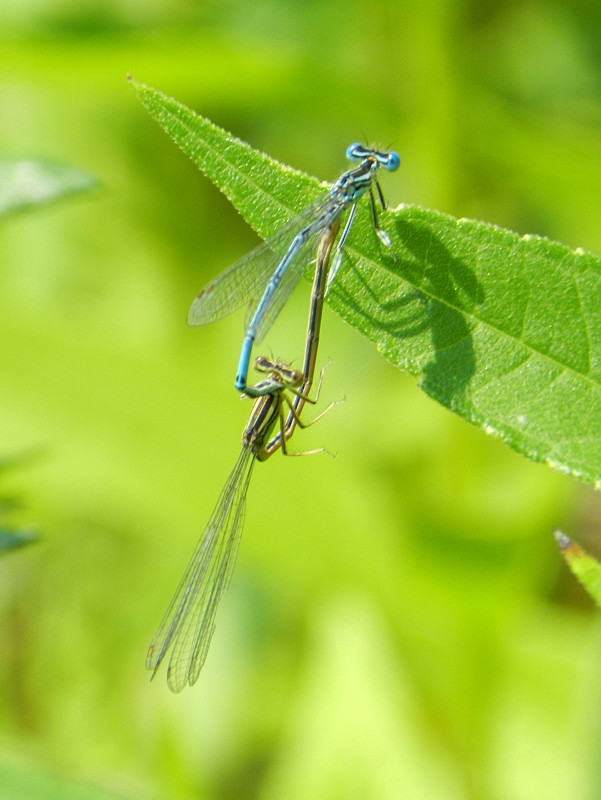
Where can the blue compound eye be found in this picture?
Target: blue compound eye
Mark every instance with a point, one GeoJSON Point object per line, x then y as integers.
{"type": "Point", "coordinates": [394, 161]}
{"type": "Point", "coordinates": [355, 152]}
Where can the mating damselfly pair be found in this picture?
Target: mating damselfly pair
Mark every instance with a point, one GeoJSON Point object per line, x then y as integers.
{"type": "Point", "coordinates": [264, 279]}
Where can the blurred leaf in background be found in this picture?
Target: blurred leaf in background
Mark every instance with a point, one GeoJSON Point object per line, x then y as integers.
{"type": "Point", "coordinates": [407, 590]}
{"type": "Point", "coordinates": [27, 183]}
{"type": "Point", "coordinates": [12, 538]}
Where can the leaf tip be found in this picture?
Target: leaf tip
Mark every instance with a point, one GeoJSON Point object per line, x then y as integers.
{"type": "Point", "coordinates": [562, 540]}
{"type": "Point", "coordinates": [571, 551]}
{"type": "Point", "coordinates": [136, 85]}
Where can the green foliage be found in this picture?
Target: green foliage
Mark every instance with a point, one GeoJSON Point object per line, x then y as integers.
{"type": "Point", "coordinates": [502, 329]}
{"type": "Point", "coordinates": [397, 623]}
{"type": "Point", "coordinates": [26, 184]}
{"type": "Point", "coordinates": [26, 782]}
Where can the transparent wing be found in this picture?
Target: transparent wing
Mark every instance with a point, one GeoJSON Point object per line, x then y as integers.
{"type": "Point", "coordinates": [247, 278]}
{"type": "Point", "coordinates": [188, 625]}
{"type": "Point", "coordinates": [280, 295]}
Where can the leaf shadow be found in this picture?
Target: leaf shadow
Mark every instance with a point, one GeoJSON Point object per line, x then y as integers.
{"type": "Point", "coordinates": [440, 274]}
{"type": "Point", "coordinates": [435, 291]}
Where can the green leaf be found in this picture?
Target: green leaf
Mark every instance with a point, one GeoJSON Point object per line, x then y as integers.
{"type": "Point", "coordinates": [27, 183]}
{"type": "Point", "coordinates": [13, 540]}
{"type": "Point", "coordinates": [505, 330]}
{"type": "Point", "coordinates": [586, 568]}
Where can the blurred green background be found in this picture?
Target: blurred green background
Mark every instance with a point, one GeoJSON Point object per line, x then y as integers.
{"type": "Point", "coordinates": [399, 624]}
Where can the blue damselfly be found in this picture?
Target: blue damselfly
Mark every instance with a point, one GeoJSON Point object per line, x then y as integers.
{"type": "Point", "coordinates": [268, 274]}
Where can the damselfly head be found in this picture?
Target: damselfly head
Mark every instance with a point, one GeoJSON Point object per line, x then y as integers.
{"type": "Point", "coordinates": [388, 159]}
{"type": "Point", "coordinates": [279, 371]}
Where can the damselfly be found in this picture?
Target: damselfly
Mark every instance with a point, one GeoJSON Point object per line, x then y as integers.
{"type": "Point", "coordinates": [188, 624]}
{"type": "Point", "coordinates": [318, 292]}
{"type": "Point", "coordinates": [267, 275]}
